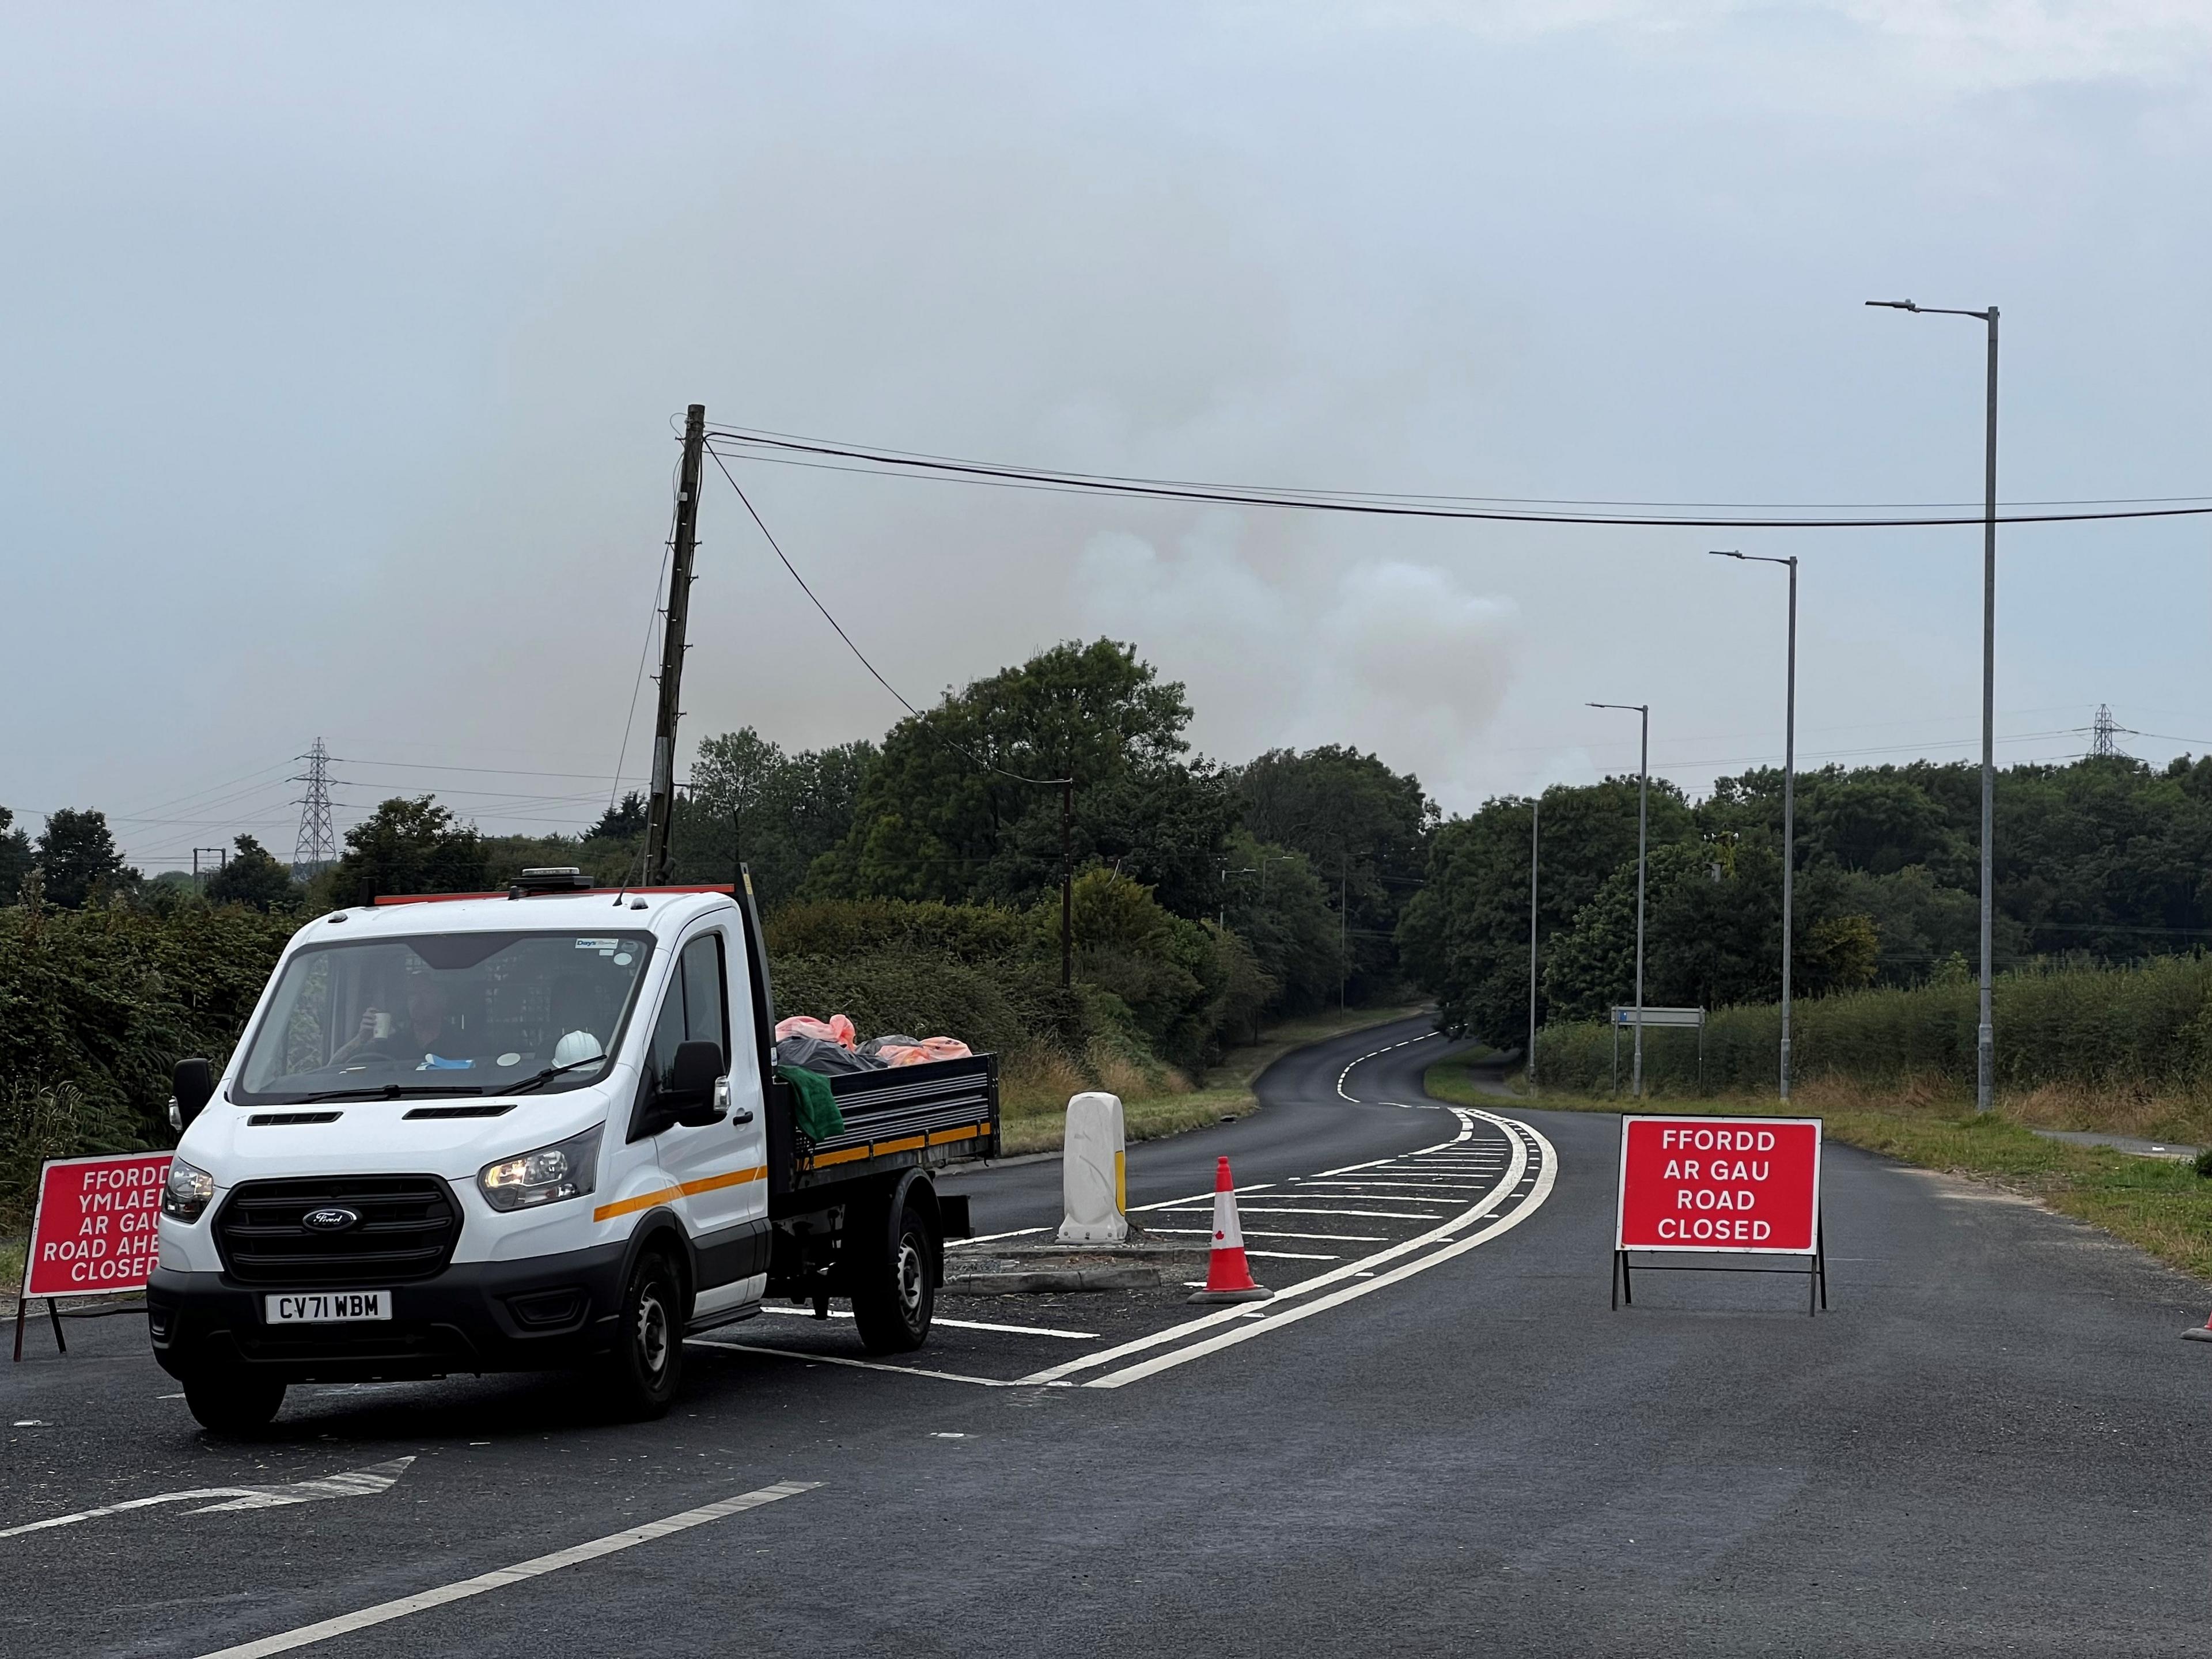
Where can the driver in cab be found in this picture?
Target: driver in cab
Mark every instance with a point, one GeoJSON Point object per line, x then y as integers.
{"type": "Point", "coordinates": [418, 1031]}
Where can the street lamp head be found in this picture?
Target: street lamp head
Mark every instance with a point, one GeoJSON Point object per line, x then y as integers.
{"type": "Point", "coordinates": [1724, 553]}
{"type": "Point", "coordinates": [1894, 304]}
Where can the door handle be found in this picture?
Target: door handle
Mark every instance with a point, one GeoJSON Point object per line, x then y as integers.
{"type": "Point", "coordinates": [743, 1115]}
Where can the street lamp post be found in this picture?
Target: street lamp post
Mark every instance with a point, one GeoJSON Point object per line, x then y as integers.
{"type": "Point", "coordinates": [1985, 1041]}
{"type": "Point", "coordinates": [1789, 799]}
{"type": "Point", "coordinates": [1535, 825]}
{"type": "Point", "coordinates": [1642, 838]}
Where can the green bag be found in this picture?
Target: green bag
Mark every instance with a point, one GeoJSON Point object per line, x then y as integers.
{"type": "Point", "coordinates": [813, 1107]}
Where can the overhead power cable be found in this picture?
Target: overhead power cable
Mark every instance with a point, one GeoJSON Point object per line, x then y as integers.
{"type": "Point", "coordinates": [972, 759]}
{"type": "Point", "coordinates": [779, 447]}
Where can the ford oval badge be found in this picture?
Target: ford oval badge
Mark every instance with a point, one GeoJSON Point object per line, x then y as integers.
{"type": "Point", "coordinates": [332, 1220]}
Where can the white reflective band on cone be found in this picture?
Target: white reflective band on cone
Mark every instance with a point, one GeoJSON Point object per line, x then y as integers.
{"type": "Point", "coordinates": [1227, 1233]}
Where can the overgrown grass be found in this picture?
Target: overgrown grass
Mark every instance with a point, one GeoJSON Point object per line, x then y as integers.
{"type": "Point", "coordinates": [2158, 1205]}
{"type": "Point", "coordinates": [1035, 1084]}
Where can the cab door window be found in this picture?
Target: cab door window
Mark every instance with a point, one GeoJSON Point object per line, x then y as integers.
{"type": "Point", "coordinates": [693, 1009]}
{"type": "Point", "coordinates": [705, 1018]}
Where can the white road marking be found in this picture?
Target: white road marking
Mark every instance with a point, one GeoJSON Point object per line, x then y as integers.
{"type": "Point", "coordinates": [1482, 1206]}
{"type": "Point", "coordinates": [349, 1483]}
{"type": "Point", "coordinates": [1318, 1238]}
{"type": "Point", "coordinates": [1015, 1330]}
{"type": "Point", "coordinates": [1019, 1232]}
{"type": "Point", "coordinates": [957, 1324]}
{"type": "Point", "coordinates": [859, 1364]}
{"type": "Point", "coordinates": [1205, 1197]}
{"type": "Point", "coordinates": [1369, 1282]}
{"type": "Point", "coordinates": [500, 1578]}
{"type": "Point", "coordinates": [1392, 1184]}
{"type": "Point", "coordinates": [1293, 1255]}
{"type": "Point", "coordinates": [1387, 1048]}
{"type": "Point", "coordinates": [1372, 1215]}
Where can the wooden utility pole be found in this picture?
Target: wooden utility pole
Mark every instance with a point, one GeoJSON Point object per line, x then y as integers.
{"type": "Point", "coordinates": [660, 809]}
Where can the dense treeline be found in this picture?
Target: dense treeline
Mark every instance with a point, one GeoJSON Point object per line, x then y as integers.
{"type": "Point", "coordinates": [912, 883]}
{"type": "Point", "coordinates": [2105, 860]}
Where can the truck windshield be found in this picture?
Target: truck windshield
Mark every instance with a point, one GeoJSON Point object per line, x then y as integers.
{"type": "Point", "coordinates": [444, 1014]}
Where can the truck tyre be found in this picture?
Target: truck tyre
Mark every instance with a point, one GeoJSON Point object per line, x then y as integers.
{"type": "Point", "coordinates": [642, 1373]}
{"type": "Point", "coordinates": [230, 1401]}
{"type": "Point", "coordinates": [894, 1279]}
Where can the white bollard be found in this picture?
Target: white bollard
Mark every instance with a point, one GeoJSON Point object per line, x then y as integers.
{"type": "Point", "coordinates": [1092, 1171]}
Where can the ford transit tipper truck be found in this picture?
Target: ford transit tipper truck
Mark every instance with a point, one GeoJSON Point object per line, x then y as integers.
{"type": "Point", "coordinates": [536, 1130]}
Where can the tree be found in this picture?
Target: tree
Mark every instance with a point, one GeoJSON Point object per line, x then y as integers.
{"type": "Point", "coordinates": [251, 876]}
{"type": "Point", "coordinates": [1465, 935]}
{"type": "Point", "coordinates": [1272, 900]}
{"type": "Point", "coordinates": [962, 802]}
{"type": "Point", "coordinates": [778, 812]}
{"type": "Point", "coordinates": [1362, 828]}
{"type": "Point", "coordinates": [14, 857]}
{"type": "Point", "coordinates": [408, 845]}
{"type": "Point", "coordinates": [78, 860]}
{"type": "Point", "coordinates": [622, 823]}
{"type": "Point", "coordinates": [1175, 977]}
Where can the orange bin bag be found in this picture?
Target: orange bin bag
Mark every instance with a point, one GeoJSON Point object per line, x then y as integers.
{"type": "Point", "coordinates": [841, 1031]}
{"type": "Point", "coordinates": [807, 1025]}
{"type": "Point", "coordinates": [929, 1048]}
{"type": "Point", "coordinates": [894, 1053]}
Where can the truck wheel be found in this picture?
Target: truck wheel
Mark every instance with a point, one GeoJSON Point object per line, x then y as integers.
{"type": "Point", "coordinates": [230, 1401]}
{"type": "Point", "coordinates": [894, 1287]}
{"type": "Point", "coordinates": [648, 1362]}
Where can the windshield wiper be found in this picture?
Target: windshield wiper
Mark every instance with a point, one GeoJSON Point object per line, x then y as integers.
{"type": "Point", "coordinates": [389, 1091]}
{"type": "Point", "coordinates": [550, 1073]}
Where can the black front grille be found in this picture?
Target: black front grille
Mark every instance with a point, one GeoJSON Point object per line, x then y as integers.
{"type": "Point", "coordinates": [408, 1228]}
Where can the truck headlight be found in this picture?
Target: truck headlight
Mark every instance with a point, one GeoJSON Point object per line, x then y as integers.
{"type": "Point", "coordinates": [185, 1194]}
{"type": "Point", "coordinates": [568, 1168]}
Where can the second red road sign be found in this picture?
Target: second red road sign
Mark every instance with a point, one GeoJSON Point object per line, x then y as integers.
{"type": "Point", "coordinates": [1734, 1185]}
{"type": "Point", "coordinates": [1731, 1183]}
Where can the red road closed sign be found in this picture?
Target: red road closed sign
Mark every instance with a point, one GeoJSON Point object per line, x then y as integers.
{"type": "Point", "coordinates": [96, 1230]}
{"type": "Point", "coordinates": [1746, 1184]}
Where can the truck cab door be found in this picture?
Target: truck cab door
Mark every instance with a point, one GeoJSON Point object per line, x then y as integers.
{"type": "Point", "coordinates": [719, 1170]}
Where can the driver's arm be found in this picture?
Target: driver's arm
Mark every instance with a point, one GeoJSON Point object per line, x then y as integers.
{"type": "Point", "coordinates": [361, 1038]}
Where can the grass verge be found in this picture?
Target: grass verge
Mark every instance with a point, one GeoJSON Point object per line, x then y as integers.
{"type": "Point", "coordinates": [1034, 1090]}
{"type": "Point", "coordinates": [2158, 1205]}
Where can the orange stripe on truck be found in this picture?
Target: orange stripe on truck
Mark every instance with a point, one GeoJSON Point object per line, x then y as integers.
{"type": "Point", "coordinates": [908, 1144]}
{"type": "Point", "coordinates": [685, 1189]}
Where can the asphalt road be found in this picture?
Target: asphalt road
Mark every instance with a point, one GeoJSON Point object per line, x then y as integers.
{"type": "Point", "coordinates": [1991, 1443]}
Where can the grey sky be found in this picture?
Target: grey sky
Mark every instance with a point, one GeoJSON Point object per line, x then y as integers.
{"type": "Point", "coordinates": [341, 349]}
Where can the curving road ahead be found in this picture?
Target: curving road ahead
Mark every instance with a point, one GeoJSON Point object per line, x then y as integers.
{"type": "Point", "coordinates": [1991, 1444]}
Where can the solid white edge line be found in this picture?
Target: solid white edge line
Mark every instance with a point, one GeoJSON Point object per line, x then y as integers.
{"type": "Point", "coordinates": [1271, 1319]}
{"type": "Point", "coordinates": [1482, 1207]}
{"type": "Point", "coordinates": [957, 1324]}
{"type": "Point", "coordinates": [859, 1365]}
{"type": "Point", "coordinates": [500, 1577]}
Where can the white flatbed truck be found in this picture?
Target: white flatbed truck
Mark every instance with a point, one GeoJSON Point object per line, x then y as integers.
{"type": "Point", "coordinates": [534, 1130]}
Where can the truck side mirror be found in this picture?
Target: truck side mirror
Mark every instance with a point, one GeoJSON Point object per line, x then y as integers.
{"type": "Point", "coordinates": [687, 1095]}
{"type": "Point", "coordinates": [193, 1084]}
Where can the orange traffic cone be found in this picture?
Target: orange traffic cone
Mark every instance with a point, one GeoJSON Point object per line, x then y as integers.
{"type": "Point", "coordinates": [1228, 1276]}
{"type": "Point", "coordinates": [2194, 1333]}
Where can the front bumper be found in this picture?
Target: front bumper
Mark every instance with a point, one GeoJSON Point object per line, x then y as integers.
{"type": "Point", "coordinates": [547, 1313]}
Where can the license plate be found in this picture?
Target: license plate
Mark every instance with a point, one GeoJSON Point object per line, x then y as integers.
{"type": "Point", "coordinates": [326, 1307]}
